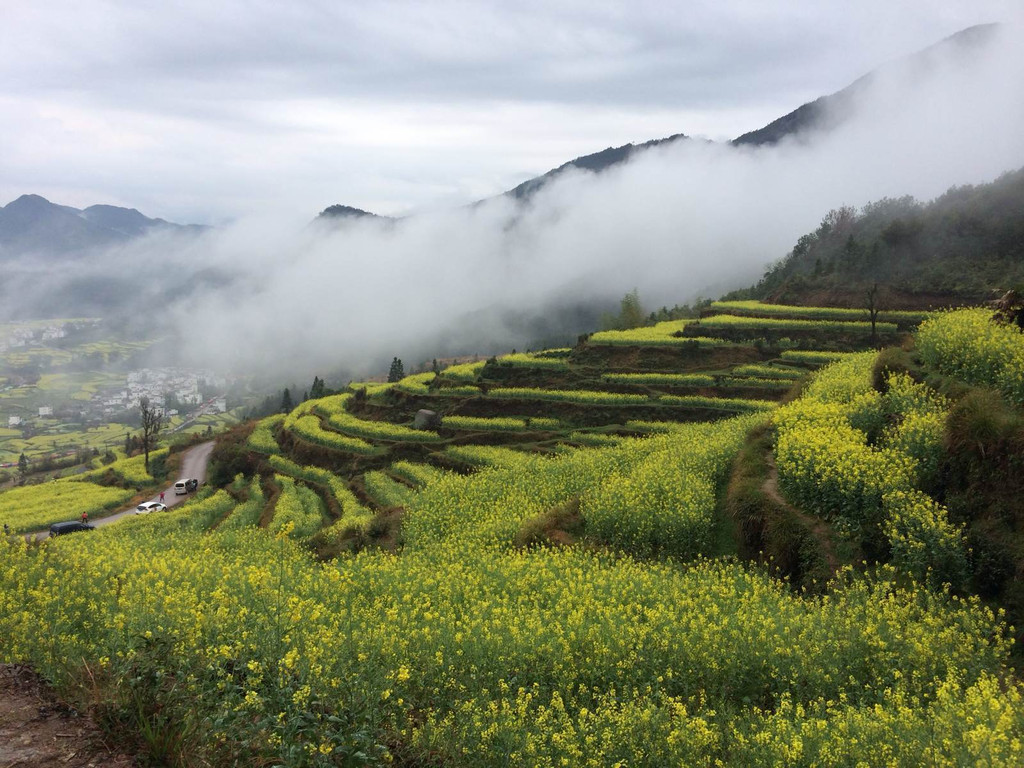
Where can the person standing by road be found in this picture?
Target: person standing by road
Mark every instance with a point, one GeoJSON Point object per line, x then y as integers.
{"type": "Point", "coordinates": [161, 497]}
{"type": "Point", "coordinates": [85, 517]}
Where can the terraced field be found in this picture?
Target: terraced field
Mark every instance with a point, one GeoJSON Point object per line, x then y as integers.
{"type": "Point", "coordinates": [531, 573]}
{"type": "Point", "coordinates": [613, 387]}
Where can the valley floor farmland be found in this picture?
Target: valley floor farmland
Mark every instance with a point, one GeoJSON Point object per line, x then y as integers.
{"type": "Point", "coordinates": [567, 570]}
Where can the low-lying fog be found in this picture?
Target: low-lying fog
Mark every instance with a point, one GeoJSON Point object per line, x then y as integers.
{"type": "Point", "coordinates": [674, 222]}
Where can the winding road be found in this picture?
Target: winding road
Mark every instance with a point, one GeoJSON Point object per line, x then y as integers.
{"type": "Point", "coordinates": [193, 464]}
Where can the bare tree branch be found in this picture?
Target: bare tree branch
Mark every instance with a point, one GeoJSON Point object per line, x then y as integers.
{"type": "Point", "coordinates": [152, 423]}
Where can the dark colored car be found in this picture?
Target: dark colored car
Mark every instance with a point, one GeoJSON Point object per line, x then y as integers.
{"type": "Point", "coordinates": [71, 526]}
{"type": "Point", "coordinates": [191, 484]}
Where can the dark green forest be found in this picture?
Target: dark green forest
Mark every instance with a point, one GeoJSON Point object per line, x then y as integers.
{"type": "Point", "coordinates": [966, 245]}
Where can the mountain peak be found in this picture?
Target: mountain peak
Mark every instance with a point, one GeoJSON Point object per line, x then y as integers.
{"type": "Point", "coordinates": [128, 221]}
{"type": "Point", "coordinates": [33, 202]}
{"type": "Point", "coordinates": [829, 111]}
{"type": "Point", "coordinates": [338, 211]}
{"type": "Point", "coordinates": [823, 113]}
{"type": "Point", "coordinates": [596, 162]}
{"type": "Point", "coordinates": [30, 199]}
{"type": "Point", "coordinates": [33, 225]}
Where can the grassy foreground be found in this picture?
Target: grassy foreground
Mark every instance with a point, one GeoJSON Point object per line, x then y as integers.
{"type": "Point", "coordinates": [566, 602]}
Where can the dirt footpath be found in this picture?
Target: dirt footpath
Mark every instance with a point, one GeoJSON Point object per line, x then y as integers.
{"type": "Point", "coordinates": [38, 730]}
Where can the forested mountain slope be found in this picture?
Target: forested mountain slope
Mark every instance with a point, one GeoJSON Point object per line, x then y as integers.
{"type": "Point", "coordinates": [966, 245]}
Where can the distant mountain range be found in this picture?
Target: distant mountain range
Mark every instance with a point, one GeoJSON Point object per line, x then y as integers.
{"type": "Point", "coordinates": [32, 225]}
{"type": "Point", "coordinates": [824, 113]}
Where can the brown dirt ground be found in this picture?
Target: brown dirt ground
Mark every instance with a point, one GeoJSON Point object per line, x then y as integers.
{"type": "Point", "coordinates": [39, 730]}
{"type": "Point", "coordinates": [817, 527]}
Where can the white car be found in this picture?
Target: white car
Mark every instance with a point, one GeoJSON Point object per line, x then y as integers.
{"type": "Point", "coordinates": [149, 506]}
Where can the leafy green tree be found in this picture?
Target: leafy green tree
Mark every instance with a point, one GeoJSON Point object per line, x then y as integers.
{"type": "Point", "coordinates": [631, 313]}
{"type": "Point", "coordinates": [397, 372]}
{"type": "Point", "coordinates": [317, 390]}
{"type": "Point", "coordinates": [23, 465]}
{"type": "Point", "coordinates": [286, 401]}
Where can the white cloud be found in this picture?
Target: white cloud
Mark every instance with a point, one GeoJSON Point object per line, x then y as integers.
{"type": "Point", "coordinates": [203, 112]}
{"type": "Point", "coordinates": [671, 222]}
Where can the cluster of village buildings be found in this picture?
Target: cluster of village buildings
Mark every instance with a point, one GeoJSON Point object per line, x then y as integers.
{"type": "Point", "coordinates": [21, 335]}
{"type": "Point", "coordinates": [166, 388]}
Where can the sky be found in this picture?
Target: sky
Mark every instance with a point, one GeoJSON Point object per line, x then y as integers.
{"type": "Point", "coordinates": [202, 112]}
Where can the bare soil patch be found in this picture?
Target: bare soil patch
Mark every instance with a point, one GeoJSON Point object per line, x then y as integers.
{"type": "Point", "coordinates": [39, 730]}
{"type": "Point", "coordinates": [818, 528]}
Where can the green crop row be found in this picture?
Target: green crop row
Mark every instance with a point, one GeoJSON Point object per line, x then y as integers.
{"type": "Point", "coordinates": [661, 379]}
{"type": "Point", "coordinates": [298, 512]}
{"type": "Point", "coordinates": [734, 404]}
{"type": "Point", "coordinates": [334, 409]}
{"type": "Point", "coordinates": [419, 475]}
{"type": "Point", "coordinates": [756, 308]}
{"type": "Point", "coordinates": [463, 371]}
{"type": "Point", "coordinates": [968, 344]}
{"type": "Point", "coordinates": [664, 502]}
{"type": "Point", "coordinates": [386, 491]}
{"type": "Point", "coordinates": [371, 387]}
{"type": "Point", "coordinates": [666, 334]}
{"type": "Point", "coordinates": [262, 437]}
{"type": "Point", "coordinates": [585, 397]}
{"type": "Point", "coordinates": [350, 506]}
{"type": "Point", "coordinates": [828, 465]}
{"type": "Point", "coordinates": [754, 382]}
{"type": "Point", "coordinates": [768, 372]}
{"type": "Point", "coordinates": [485, 455]}
{"type": "Point", "coordinates": [594, 439]}
{"type": "Point", "coordinates": [247, 514]}
{"type": "Point", "coordinates": [812, 357]}
{"type": "Point", "coordinates": [778, 324]}
{"type": "Point", "coordinates": [132, 471]}
{"type": "Point", "coordinates": [308, 428]}
{"type": "Point", "coordinates": [498, 423]}
{"type": "Point", "coordinates": [417, 384]}
{"type": "Point", "coordinates": [527, 360]}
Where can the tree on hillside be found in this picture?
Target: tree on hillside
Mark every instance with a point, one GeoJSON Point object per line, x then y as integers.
{"type": "Point", "coordinates": [631, 314]}
{"type": "Point", "coordinates": [397, 372]}
{"type": "Point", "coordinates": [152, 423]}
{"type": "Point", "coordinates": [286, 401]}
{"type": "Point", "coordinates": [838, 221]}
{"type": "Point", "coordinates": [23, 465]}
{"type": "Point", "coordinates": [317, 390]}
{"type": "Point", "coordinates": [871, 305]}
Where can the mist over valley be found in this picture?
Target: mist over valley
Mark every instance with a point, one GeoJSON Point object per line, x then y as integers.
{"type": "Point", "coordinates": [679, 219]}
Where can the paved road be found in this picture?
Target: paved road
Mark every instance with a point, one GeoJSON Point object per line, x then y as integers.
{"type": "Point", "coordinates": [193, 464]}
